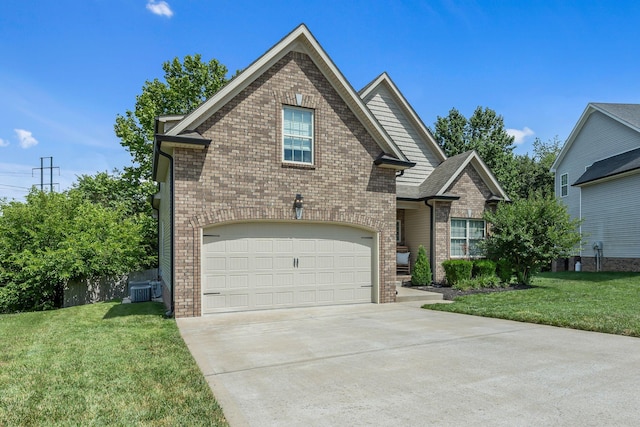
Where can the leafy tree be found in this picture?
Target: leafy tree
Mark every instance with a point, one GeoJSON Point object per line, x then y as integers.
{"type": "Point", "coordinates": [52, 238]}
{"type": "Point", "coordinates": [484, 132]}
{"type": "Point", "coordinates": [186, 86]}
{"type": "Point", "coordinates": [421, 274]}
{"type": "Point", "coordinates": [114, 192]}
{"type": "Point", "coordinates": [530, 233]}
{"type": "Point", "coordinates": [532, 172]}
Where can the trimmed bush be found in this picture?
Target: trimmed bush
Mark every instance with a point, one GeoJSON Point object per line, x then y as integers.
{"type": "Point", "coordinates": [480, 282]}
{"type": "Point", "coordinates": [483, 267]}
{"type": "Point", "coordinates": [421, 274]}
{"type": "Point", "coordinates": [456, 270]}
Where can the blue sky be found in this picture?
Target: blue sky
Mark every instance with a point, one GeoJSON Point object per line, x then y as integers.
{"type": "Point", "coordinates": [67, 68]}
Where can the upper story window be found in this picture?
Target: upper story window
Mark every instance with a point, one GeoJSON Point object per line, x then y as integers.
{"type": "Point", "coordinates": [465, 236]}
{"type": "Point", "coordinates": [564, 185]}
{"type": "Point", "coordinates": [297, 135]}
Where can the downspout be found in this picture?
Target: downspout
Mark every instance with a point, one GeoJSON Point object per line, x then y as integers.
{"type": "Point", "coordinates": [431, 239]}
{"type": "Point", "coordinates": [171, 311]}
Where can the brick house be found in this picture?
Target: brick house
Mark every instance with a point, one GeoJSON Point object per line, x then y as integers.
{"type": "Point", "coordinates": [284, 189]}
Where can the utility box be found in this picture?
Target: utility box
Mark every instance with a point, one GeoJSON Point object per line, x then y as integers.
{"type": "Point", "coordinates": [140, 293]}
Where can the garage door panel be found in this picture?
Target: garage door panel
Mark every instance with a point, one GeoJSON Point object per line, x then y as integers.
{"type": "Point", "coordinates": [238, 263]}
{"type": "Point", "coordinates": [284, 279]}
{"type": "Point", "coordinates": [263, 263]}
{"type": "Point", "coordinates": [238, 300]}
{"type": "Point", "coordinates": [308, 278]}
{"type": "Point", "coordinates": [238, 281]}
{"type": "Point", "coordinates": [307, 297]}
{"type": "Point", "coordinates": [212, 283]}
{"type": "Point", "coordinates": [326, 278]}
{"type": "Point", "coordinates": [283, 299]}
{"type": "Point", "coordinates": [237, 246]}
{"type": "Point", "coordinates": [326, 295]}
{"type": "Point", "coordinates": [264, 280]}
{"type": "Point", "coordinates": [264, 299]}
{"type": "Point", "coordinates": [252, 266]}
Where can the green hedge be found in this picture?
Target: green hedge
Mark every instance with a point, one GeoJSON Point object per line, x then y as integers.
{"type": "Point", "coordinates": [457, 270]}
{"type": "Point", "coordinates": [483, 268]}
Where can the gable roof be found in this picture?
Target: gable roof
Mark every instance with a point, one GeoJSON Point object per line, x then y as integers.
{"type": "Point", "coordinates": [407, 109]}
{"type": "Point", "coordinates": [624, 163]}
{"type": "Point", "coordinates": [443, 176]}
{"type": "Point", "coordinates": [627, 114]}
{"type": "Point", "coordinates": [299, 40]}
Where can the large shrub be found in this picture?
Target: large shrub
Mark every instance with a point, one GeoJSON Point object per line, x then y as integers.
{"type": "Point", "coordinates": [457, 270]}
{"type": "Point", "coordinates": [530, 233]}
{"type": "Point", "coordinates": [56, 237]}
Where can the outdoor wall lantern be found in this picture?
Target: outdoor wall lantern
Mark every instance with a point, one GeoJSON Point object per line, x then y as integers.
{"type": "Point", "coordinates": [297, 204]}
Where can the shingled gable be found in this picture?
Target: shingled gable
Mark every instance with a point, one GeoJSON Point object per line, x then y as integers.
{"type": "Point", "coordinates": [437, 184]}
{"type": "Point", "coordinates": [626, 114]}
{"type": "Point", "coordinates": [299, 40]}
{"type": "Point", "coordinates": [409, 112]}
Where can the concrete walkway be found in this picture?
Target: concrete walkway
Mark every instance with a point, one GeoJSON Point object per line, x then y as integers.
{"type": "Point", "coordinates": [399, 365]}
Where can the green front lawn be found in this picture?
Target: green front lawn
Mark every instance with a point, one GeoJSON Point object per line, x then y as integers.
{"type": "Point", "coordinates": [102, 364]}
{"type": "Point", "coordinates": [602, 302]}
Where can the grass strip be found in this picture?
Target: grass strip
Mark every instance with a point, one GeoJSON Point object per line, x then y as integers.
{"type": "Point", "coordinates": [600, 302]}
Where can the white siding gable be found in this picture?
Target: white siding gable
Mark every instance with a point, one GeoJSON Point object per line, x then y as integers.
{"type": "Point", "coordinates": [599, 138]}
{"type": "Point", "coordinates": [386, 110]}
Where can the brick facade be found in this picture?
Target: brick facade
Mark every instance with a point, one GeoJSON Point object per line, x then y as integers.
{"type": "Point", "coordinates": [241, 176]}
{"type": "Point", "coordinates": [473, 194]}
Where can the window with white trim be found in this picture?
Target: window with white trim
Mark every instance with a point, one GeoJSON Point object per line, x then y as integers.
{"type": "Point", "coordinates": [465, 236]}
{"type": "Point", "coordinates": [564, 185]}
{"type": "Point", "coordinates": [398, 231]}
{"type": "Point", "coordinates": [297, 135]}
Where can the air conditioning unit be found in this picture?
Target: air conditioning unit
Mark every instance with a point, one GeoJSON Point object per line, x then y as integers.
{"type": "Point", "coordinates": [140, 293]}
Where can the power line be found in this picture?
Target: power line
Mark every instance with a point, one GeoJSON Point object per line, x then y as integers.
{"type": "Point", "coordinates": [14, 186]}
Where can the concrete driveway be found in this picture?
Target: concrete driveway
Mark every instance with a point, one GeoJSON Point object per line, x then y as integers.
{"type": "Point", "coordinates": [399, 365]}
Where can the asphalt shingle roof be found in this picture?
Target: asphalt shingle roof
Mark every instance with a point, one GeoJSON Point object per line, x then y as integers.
{"type": "Point", "coordinates": [612, 166]}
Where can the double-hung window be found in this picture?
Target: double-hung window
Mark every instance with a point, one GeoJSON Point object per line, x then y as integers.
{"type": "Point", "coordinates": [297, 135]}
{"type": "Point", "coordinates": [564, 185]}
{"type": "Point", "coordinates": [465, 236]}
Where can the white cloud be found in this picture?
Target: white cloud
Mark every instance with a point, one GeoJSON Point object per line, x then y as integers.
{"type": "Point", "coordinates": [26, 138]}
{"type": "Point", "coordinates": [520, 135]}
{"type": "Point", "coordinates": [4, 143]}
{"type": "Point", "coordinates": [161, 8]}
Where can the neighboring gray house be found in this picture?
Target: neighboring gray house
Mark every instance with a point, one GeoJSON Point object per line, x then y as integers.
{"type": "Point", "coordinates": [597, 176]}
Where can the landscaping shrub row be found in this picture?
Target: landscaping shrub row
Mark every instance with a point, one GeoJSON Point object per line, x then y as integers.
{"type": "Point", "coordinates": [464, 274]}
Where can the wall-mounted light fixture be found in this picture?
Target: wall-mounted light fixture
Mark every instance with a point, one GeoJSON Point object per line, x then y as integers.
{"type": "Point", "coordinates": [297, 205]}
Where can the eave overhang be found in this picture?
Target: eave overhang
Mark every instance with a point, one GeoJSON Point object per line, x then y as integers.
{"type": "Point", "coordinates": [388, 162]}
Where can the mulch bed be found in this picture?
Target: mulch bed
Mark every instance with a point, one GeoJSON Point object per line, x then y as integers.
{"type": "Point", "coordinates": [449, 293]}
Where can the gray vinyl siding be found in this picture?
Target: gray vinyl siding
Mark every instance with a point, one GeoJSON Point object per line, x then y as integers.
{"type": "Point", "coordinates": [166, 233]}
{"type": "Point", "coordinates": [384, 107]}
{"type": "Point", "coordinates": [600, 137]}
{"type": "Point", "coordinates": [417, 223]}
{"type": "Point", "coordinates": [610, 211]}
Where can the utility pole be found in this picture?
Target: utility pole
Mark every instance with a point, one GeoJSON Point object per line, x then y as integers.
{"type": "Point", "coordinates": [42, 168]}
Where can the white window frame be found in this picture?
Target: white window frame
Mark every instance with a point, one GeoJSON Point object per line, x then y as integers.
{"type": "Point", "coordinates": [310, 138]}
{"type": "Point", "coordinates": [467, 238]}
{"type": "Point", "coordinates": [564, 185]}
{"type": "Point", "coordinates": [398, 231]}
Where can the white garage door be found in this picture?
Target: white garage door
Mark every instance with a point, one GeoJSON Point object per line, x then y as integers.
{"type": "Point", "coordinates": [253, 266]}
